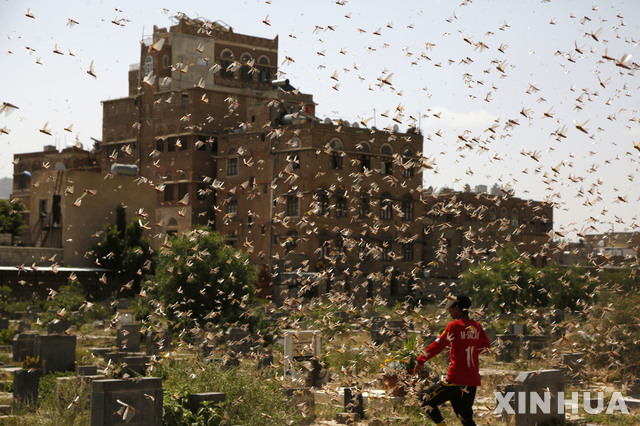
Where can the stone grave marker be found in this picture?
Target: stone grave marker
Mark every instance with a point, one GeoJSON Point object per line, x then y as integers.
{"type": "Point", "coordinates": [57, 351]}
{"type": "Point", "coordinates": [517, 329]}
{"type": "Point", "coordinates": [4, 323]}
{"type": "Point", "coordinates": [354, 401]}
{"type": "Point", "coordinates": [126, 317]}
{"type": "Point", "coordinates": [508, 347]}
{"type": "Point", "coordinates": [300, 346]}
{"type": "Point", "coordinates": [304, 399]}
{"type": "Point", "coordinates": [24, 345]}
{"type": "Point", "coordinates": [199, 400]}
{"type": "Point", "coordinates": [128, 338]}
{"type": "Point", "coordinates": [144, 395]}
{"type": "Point", "coordinates": [533, 398]}
{"type": "Point", "coordinates": [58, 326]}
{"type": "Point", "coordinates": [534, 346]}
{"type": "Point", "coordinates": [158, 342]}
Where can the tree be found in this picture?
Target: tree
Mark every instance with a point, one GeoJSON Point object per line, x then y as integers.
{"type": "Point", "coordinates": [11, 219]}
{"type": "Point", "coordinates": [201, 279]}
{"type": "Point", "coordinates": [123, 249]}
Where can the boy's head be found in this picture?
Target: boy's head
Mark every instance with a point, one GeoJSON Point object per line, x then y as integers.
{"type": "Point", "coordinates": [459, 307]}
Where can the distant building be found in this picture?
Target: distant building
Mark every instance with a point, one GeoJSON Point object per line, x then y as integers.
{"type": "Point", "coordinates": [461, 228]}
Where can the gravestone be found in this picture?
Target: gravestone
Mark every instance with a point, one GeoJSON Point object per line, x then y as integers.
{"type": "Point", "coordinates": [57, 351]}
{"type": "Point", "coordinates": [58, 326]}
{"type": "Point", "coordinates": [508, 347]}
{"type": "Point", "coordinates": [573, 364]}
{"type": "Point", "coordinates": [518, 329]}
{"type": "Point", "coordinates": [301, 348]}
{"type": "Point", "coordinates": [24, 345]}
{"type": "Point", "coordinates": [198, 400]}
{"type": "Point", "coordinates": [134, 365]}
{"type": "Point", "coordinates": [143, 394]}
{"type": "Point", "coordinates": [353, 401]}
{"type": "Point", "coordinates": [128, 338]}
{"type": "Point", "coordinates": [4, 323]}
{"type": "Point", "coordinates": [158, 342]}
{"type": "Point", "coordinates": [25, 387]}
{"type": "Point", "coordinates": [238, 341]}
{"type": "Point", "coordinates": [534, 346]}
{"type": "Point", "coordinates": [126, 317]}
{"type": "Point", "coordinates": [533, 398]}
{"type": "Point", "coordinates": [86, 370]}
{"type": "Point", "coordinates": [491, 333]}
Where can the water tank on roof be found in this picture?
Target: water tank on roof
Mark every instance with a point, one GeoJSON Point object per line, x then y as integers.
{"type": "Point", "coordinates": [293, 119]}
{"type": "Point", "coordinates": [124, 169]}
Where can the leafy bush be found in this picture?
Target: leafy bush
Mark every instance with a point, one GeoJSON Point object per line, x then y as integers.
{"type": "Point", "coordinates": [6, 336]}
{"type": "Point", "coordinates": [253, 396]}
{"type": "Point", "coordinates": [200, 278]}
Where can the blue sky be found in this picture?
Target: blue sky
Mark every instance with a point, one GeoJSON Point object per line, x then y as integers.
{"type": "Point", "coordinates": [443, 59]}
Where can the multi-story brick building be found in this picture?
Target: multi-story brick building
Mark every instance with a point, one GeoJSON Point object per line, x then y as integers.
{"type": "Point", "coordinates": [465, 227]}
{"type": "Point", "coordinates": [228, 146]}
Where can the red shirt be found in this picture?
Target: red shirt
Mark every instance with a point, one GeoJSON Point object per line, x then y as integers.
{"type": "Point", "coordinates": [468, 340]}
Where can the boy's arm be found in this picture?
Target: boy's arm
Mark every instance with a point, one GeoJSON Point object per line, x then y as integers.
{"type": "Point", "coordinates": [436, 346]}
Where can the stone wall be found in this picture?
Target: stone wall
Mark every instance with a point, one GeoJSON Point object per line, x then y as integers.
{"type": "Point", "coordinates": [14, 256]}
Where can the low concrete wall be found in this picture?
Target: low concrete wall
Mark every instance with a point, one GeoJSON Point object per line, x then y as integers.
{"type": "Point", "coordinates": [15, 256]}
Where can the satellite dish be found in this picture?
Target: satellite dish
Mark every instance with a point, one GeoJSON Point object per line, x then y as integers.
{"type": "Point", "coordinates": [60, 167]}
{"type": "Point", "coordinates": [395, 128]}
{"type": "Point", "coordinates": [327, 120]}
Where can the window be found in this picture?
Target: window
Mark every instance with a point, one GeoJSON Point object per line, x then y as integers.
{"type": "Point", "coordinates": [293, 205]}
{"type": "Point", "coordinates": [292, 241]}
{"type": "Point", "coordinates": [225, 62]}
{"type": "Point", "coordinates": [148, 65]}
{"type": "Point", "coordinates": [232, 162]}
{"type": "Point", "coordinates": [245, 70]}
{"type": "Point", "coordinates": [386, 251]}
{"type": "Point", "coordinates": [171, 145]}
{"type": "Point", "coordinates": [184, 100]}
{"type": "Point", "coordinates": [183, 189]}
{"type": "Point", "coordinates": [265, 69]}
{"type": "Point", "coordinates": [169, 192]}
{"type": "Point", "coordinates": [232, 208]}
{"type": "Point", "coordinates": [514, 217]}
{"type": "Point", "coordinates": [407, 163]}
{"type": "Point", "coordinates": [407, 252]}
{"type": "Point", "coordinates": [365, 163]}
{"type": "Point", "coordinates": [386, 207]}
{"type": "Point", "coordinates": [492, 213]}
{"type": "Point", "coordinates": [503, 213]}
{"type": "Point", "coordinates": [341, 205]}
{"type": "Point", "coordinates": [335, 156]}
{"type": "Point", "coordinates": [407, 208]}
{"type": "Point", "coordinates": [201, 192]}
{"type": "Point", "coordinates": [294, 159]}
{"type": "Point", "coordinates": [202, 143]}
{"type": "Point", "coordinates": [365, 206]}
{"type": "Point", "coordinates": [386, 164]}
{"type": "Point", "coordinates": [324, 249]}
{"type": "Point", "coordinates": [323, 203]}
{"type": "Point", "coordinates": [160, 145]}
{"type": "Point", "coordinates": [165, 61]}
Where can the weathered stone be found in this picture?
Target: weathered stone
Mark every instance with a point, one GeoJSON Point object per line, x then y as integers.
{"type": "Point", "coordinates": [4, 323]}
{"type": "Point", "coordinates": [544, 386]}
{"type": "Point", "coordinates": [58, 326]}
{"type": "Point", "coordinates": [86, 370]}
{"type": "Point", "coordinates": [199, 400]}
{"type": "Point", "coordinates": [24, 345]}
{"type": "Point", "coordinates": [534, 346]}
{"type": "Point", "coordinates": [508, 347]}
{"type": "Point", "coordinates": [347, 418]}
{"type": "Point", "coordinates": [304, 400]}
{"type": "Point", "coordinates": [128, 338]}
{"type": "Point", "coordinates": [143, 394]}
{"type": "Point", "coordinates": [353, 401]}
{"type": "Point", "coordinates": [518, 329]}
{"type": "Point", "coordinates": [158, 342]}
{"type": "Point", "coordinates": [134, 365]}
{"type": "Point", "coordinates": [57, 352]}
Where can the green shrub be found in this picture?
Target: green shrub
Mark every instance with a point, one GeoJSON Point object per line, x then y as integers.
{"type": "Point", "coordinates": [6, 336]}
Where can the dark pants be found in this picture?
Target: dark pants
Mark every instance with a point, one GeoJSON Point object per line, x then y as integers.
{"type": "Point", "coordinates": [461, 398]}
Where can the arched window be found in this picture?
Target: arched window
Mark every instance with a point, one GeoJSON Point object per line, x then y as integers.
{"type": "Point", "coordinates": [226, 59]}
{"type": "Point", "coordinates": [165, 61]}
{"type": "Point", "coordinates": [386, 163]}
{"type": "Point", "coordinates": [148, 65]}
{"type": "Point", "coordinates": [503, 213]}
{"type": "Point", "coordinates": [245, 70]}
{"type": "Point", "coordinates": [172, 226]}
{"type": "Point", "coordinates": [514, 217]}
{"type": "Point", "coordinates": [492, 213]}
{"type": "Point", "coordinates": [264, 65]}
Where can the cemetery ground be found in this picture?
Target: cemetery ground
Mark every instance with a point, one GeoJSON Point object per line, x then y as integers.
{"type": "Point", "coordinates": [232, 376]}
